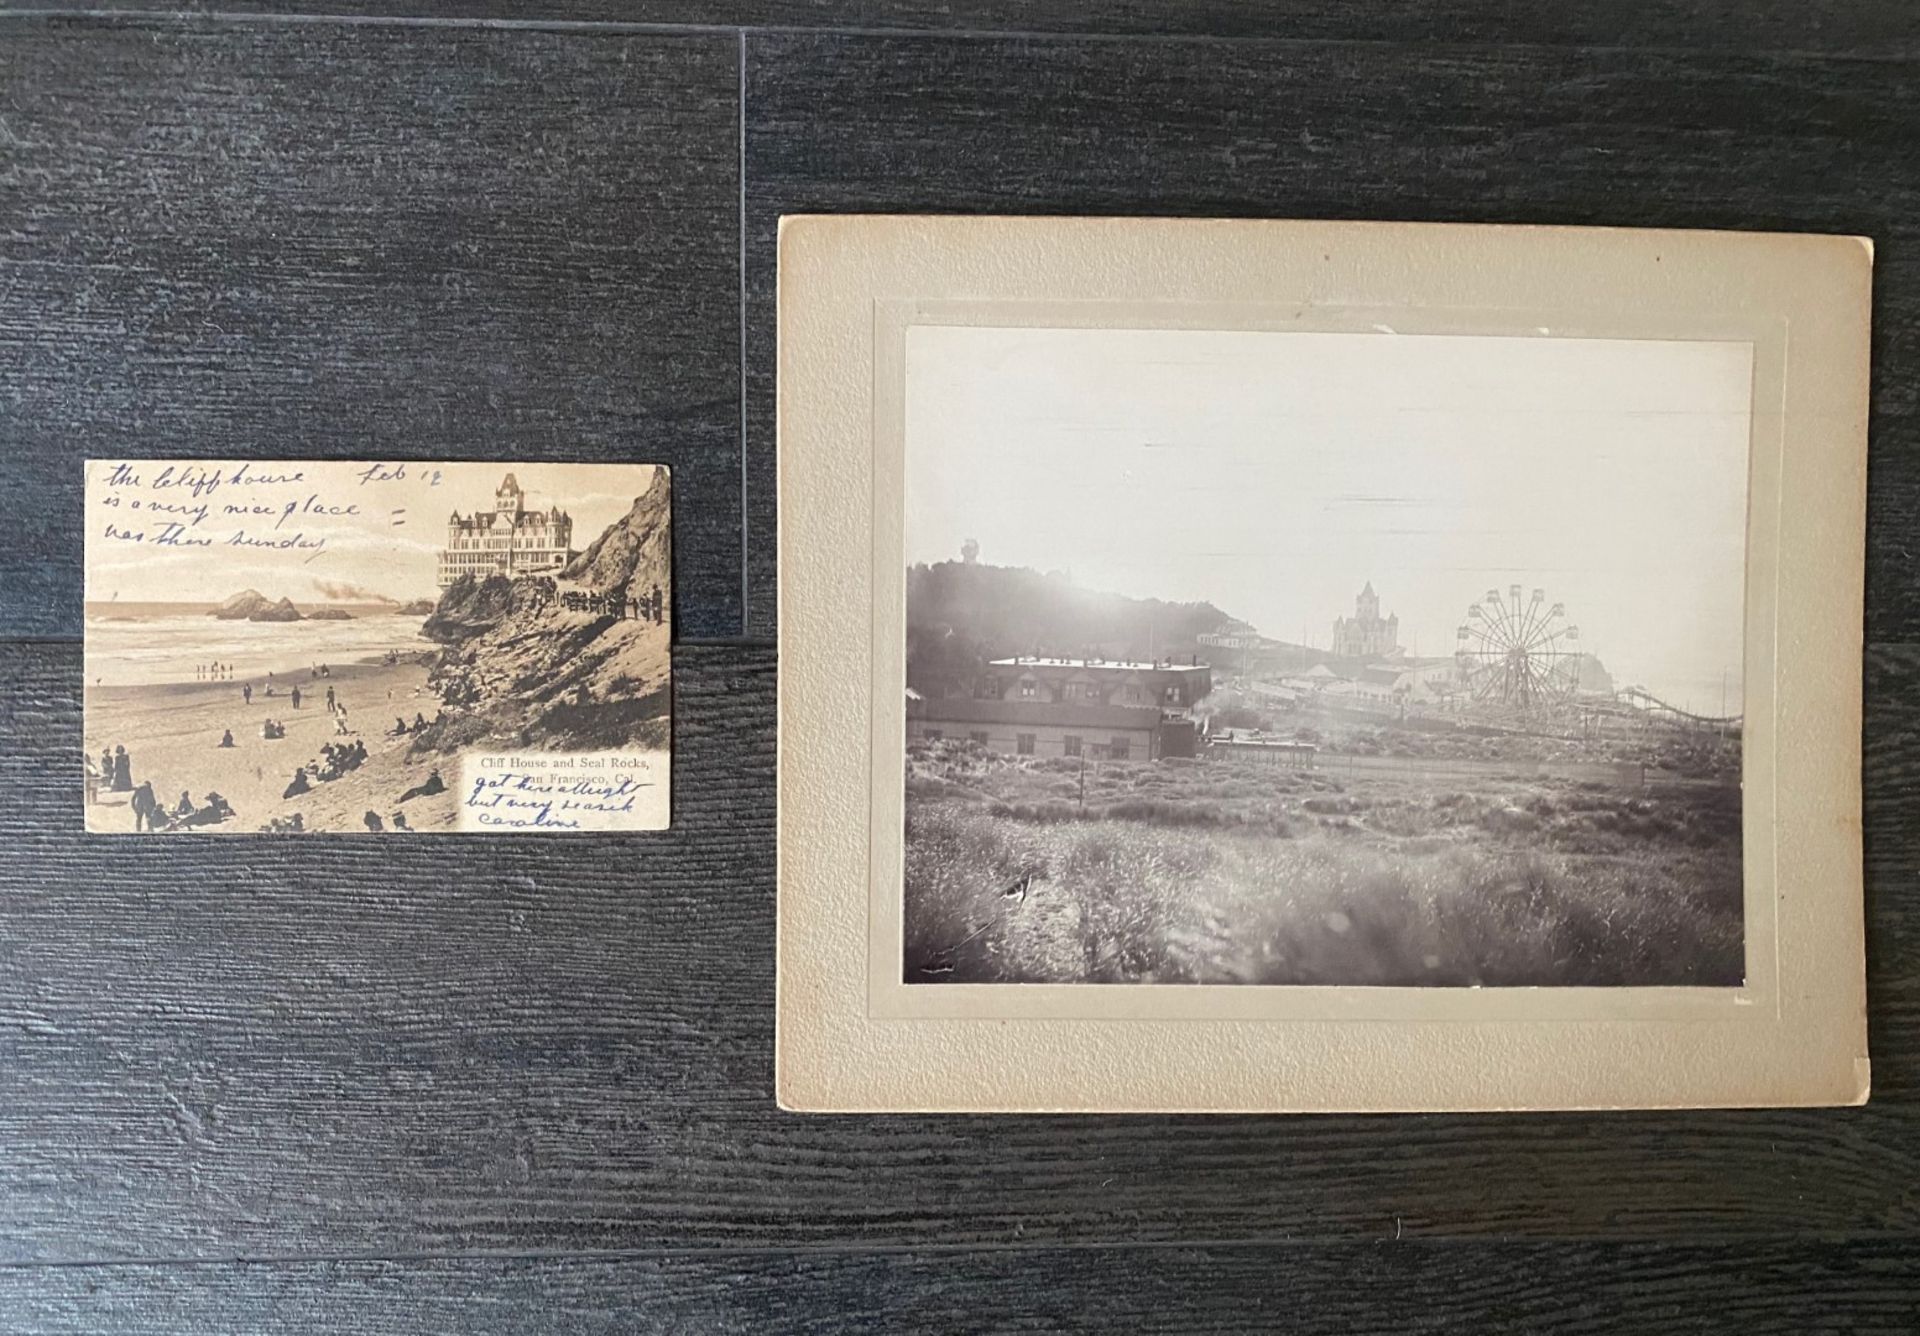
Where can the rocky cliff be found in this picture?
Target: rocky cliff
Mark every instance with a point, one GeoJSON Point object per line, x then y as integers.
{"type": "Point", "coordinates": [472, 607]}
{"type": "Point", "coordinates": [518, 668]}
{"type": "Point", "coordinates": [635, 551]}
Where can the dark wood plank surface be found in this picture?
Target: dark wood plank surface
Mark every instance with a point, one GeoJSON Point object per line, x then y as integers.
{"type": "Point", "coordinates": [1869, 29]}
{"type": "Point", "coordinates": [245, 240]}
{"type": "Point", "coordinates": [473, 1067]}
{"type": "Point", "coordinates": [1382, 1288]}
{"type": "Point", "coordinates": [1601, 136]}
{"type": "Point", "coordinates": [336, 1045]}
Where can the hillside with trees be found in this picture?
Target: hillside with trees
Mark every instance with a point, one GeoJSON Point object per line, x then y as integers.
{"type": "Point", "coordinates": [961, 615]}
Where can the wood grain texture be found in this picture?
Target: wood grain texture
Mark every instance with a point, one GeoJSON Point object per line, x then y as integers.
{"type": "Point", "coordinates": [1381, 1288]}
{"type": "Point", "coordinates": [346, 242]}
{"type": "Point", "coordinates": [393, 239]}
{"type": "Point", "coordinates": [1326, 130]}
{"type": "Point", "coordinates": [213, 1047]}
{"type": "Point", "coordinates": [1871, 29]}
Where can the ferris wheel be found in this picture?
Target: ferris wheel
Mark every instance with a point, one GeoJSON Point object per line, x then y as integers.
{"type": "Point", "coordinates": [1521, 653]}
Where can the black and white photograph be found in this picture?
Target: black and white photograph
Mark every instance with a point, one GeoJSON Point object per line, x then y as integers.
{"type": "Point", "coordinates": [1361, 658]}
{"type": "Point", "coordinates": [383, 647]}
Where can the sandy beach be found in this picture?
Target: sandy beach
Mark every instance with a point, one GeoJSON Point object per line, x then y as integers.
{"type": "Point", "coordinates": [172, 732]}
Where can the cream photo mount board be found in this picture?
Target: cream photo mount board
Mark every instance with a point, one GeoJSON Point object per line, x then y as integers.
{"type": "Point", "coordinates": [1174, 819]}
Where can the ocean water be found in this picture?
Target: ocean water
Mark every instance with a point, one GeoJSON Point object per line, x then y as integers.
{"type": "Point", "coordinates": [124, 649]}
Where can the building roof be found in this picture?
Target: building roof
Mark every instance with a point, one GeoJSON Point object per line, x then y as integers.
{"type": "Point", "coordinates": [1062, 714]}
{"type": "Point", "coordinates": [1253, 737]}
{"type": "Point", "coordinates": [1104, 665]}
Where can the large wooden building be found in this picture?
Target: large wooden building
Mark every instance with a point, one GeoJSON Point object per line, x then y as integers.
{"type": "Point", "coordinates": [508, 540]}
{"type": "Point", "coordinates": [1092, 708]}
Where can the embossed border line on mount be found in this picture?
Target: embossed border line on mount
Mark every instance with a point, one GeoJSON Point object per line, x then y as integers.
{"type": "Point", "coordinates": [1765, 336]}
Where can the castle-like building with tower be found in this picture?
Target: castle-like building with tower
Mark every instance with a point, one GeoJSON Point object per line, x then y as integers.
{"type": "Point", "coordinates": [1366, 634]}
{"type": "Point", "coordinates": [508, 540]}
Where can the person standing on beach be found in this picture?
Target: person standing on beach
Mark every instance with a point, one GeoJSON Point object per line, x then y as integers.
{"type": "Point", "coordinates": [329, 698]}
{"type": "Point", "coordinates": [296, 698]}
{"type": "Point", "coordinates": [143, 805]}
{"type": "Point", "coordinates": [122, 771]}
{"type": "Point", "coordinates": [246, 693]}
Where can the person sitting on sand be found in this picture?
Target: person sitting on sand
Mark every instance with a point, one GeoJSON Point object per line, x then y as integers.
{"type": "Point", "coordinates": [226, 738]}
{"type": "Point", "coordinates": [419, 721]}
{"type": "Point", "coordinates": [373, 822]}
{"type": "Point", "coordinates": [185, 807]}
{"type": "Point", "coordinates": [143, 803]}
{"type": "Point", "coordinates": [215, 807]}
{"type": "Point", "coordinates": [299, 785]}
{"type": "Point", "coordinates": [434, 784]}
{"type": "Point", "coordinates": [399, 727]}
{"type": "Point", "coordinates": [400, 821]}
{"type": "Point", "coordinates": [122, 771]}
{"type": "Point", "coordinates": [359, 752]}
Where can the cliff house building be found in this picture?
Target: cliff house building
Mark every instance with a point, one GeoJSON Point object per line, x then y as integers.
{"type": "Point", "coordinates": [508, 540]}
{"type": "Point", "coordinates": [1366, 635]}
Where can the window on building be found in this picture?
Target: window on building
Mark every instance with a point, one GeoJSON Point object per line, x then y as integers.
{"type": "Point", "coordinates": [1117, 749]}
{"type": "Point", "coordinates": [1173, 694]}
{"type": "Point", "coordinates": [979, 736]}
{"type": "Point", "coordinates": [1070, 745]}
{"type": "Point", "coordinates": [1028, 688]}
{"type": "Point", "coordinates": [990, 688]}
{"type": "Point", "coordinates": [1023, 743]}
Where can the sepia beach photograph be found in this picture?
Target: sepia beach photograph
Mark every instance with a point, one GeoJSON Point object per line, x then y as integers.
{"type": "Point", "coordinates": [1267, 658]}
{"type": "Point", "coordinates": [302, 646]}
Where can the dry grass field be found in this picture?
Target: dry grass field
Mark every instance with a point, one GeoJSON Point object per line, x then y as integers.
{"type": "Point", "coordinates": [1220, 872]}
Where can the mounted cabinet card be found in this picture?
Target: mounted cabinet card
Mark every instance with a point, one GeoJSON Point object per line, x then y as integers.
{"type": "Point", "coordinates": [1314, 666]}
{"type": "Point", "coordinates": [379, 647]}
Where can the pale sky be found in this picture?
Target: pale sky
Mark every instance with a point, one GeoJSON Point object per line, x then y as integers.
{"type": "Point", "coordinates": [389, 548]}
{"type": "Point", "coordinates": [1273, 474]}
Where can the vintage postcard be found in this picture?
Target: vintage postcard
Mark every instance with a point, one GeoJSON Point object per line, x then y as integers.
{"type": "Point", "coordinates": [1319, 666]}
{"type": "Point", "coordinates": [381, 647]}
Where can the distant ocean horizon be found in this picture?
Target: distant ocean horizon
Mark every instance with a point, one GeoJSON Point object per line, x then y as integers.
{"type": "Point", "coordinates": [146, 644]}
